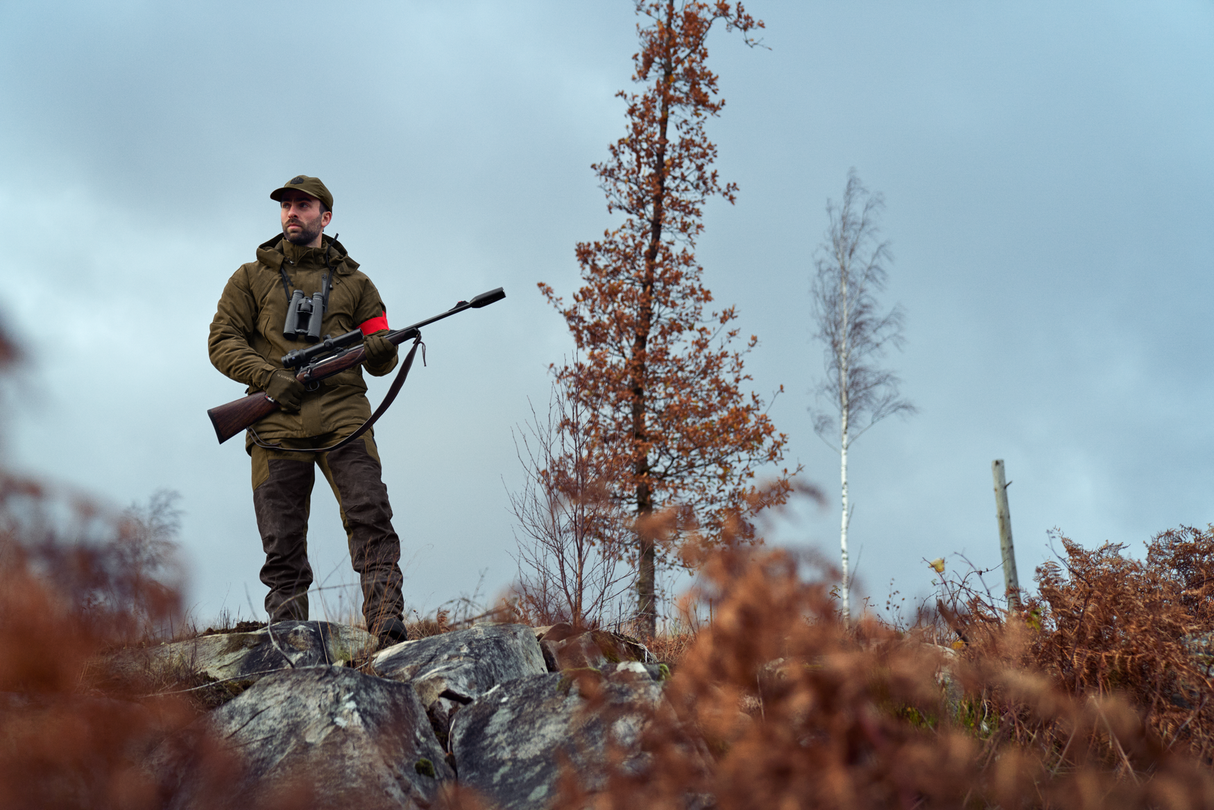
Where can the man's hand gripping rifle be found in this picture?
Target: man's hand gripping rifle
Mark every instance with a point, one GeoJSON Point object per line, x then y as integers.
{"type": "Point", "coordinates": [323, 360]}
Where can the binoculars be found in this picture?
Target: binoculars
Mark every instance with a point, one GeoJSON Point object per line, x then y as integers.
{"type": "Point", "coordinates": [304, 316]}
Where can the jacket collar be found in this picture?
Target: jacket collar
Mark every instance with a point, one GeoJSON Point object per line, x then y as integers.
{"type": "Point", "coordinates": [275, 250]}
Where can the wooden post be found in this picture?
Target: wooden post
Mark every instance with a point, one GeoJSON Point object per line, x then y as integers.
{"type": "Point", "coordinates": [1010, 581]}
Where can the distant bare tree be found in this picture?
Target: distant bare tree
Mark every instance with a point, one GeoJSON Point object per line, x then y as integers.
{"type": "Point", "coordinates": [564, 512]}
{"type": "Point", "coordinates": [151, 532]}
{"type": "Point", "coordinates": [147, 553]}
{"type": "Point", "coordinates": [855, 393]}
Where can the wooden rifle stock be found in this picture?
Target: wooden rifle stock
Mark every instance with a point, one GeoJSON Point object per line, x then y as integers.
{"type": "Point", "coordinates": [240, 414]}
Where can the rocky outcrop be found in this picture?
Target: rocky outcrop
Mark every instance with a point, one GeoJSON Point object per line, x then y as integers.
{"type": "Point", "coordinates": [324, 736]}
{"type": "Point", "coordinates": [567, 648]}
{"type": "Point", "coordinates": [511, 744]}
{"type": "Point", "coordinates": [476, 707]}
{"type": "Point", "coordinates": [238, 660]}
{"type": "Point", "coordinates": [454, 669]}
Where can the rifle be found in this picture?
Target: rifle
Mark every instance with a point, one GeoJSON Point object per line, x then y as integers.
{"type": "Point", "coordinates": [321, 361]}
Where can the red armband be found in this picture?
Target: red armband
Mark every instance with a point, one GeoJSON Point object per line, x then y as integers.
{"type": "Point", "coordinates": [373, 325]}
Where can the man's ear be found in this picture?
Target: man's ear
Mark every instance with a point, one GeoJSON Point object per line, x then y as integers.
{"type": "Point", "coordinates": [325, 219]}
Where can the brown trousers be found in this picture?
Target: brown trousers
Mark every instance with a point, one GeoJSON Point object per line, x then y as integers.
{"type": "Point", "coordinates": [282, 491]}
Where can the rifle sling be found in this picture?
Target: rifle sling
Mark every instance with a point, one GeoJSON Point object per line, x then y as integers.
{"type": "Point", "coordinates": [397, 384]}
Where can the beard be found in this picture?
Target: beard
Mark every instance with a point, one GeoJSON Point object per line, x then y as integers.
{"type": "Point", "coordinates": [307, 232]}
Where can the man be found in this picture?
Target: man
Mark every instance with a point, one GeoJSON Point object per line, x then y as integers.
{"type": "Point", "coordinates": [249, 336]}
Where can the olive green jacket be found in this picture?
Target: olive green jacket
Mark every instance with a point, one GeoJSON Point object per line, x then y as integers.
{"type": "Point", "coordinates": [246, 341]}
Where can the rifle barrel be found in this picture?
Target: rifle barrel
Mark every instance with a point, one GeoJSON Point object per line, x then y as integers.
{"type": "Point", "coordinates": [240, 414]}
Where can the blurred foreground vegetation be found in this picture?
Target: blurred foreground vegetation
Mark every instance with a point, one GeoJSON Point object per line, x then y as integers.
{"type": "Point", "coordinates": [1094, 693]}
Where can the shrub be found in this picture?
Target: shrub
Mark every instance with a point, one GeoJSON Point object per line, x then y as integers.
{"type": "Point", "coordinates": [778, 703]}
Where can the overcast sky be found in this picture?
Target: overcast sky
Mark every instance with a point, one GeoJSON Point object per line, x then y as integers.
{"type": "Point", "coordinates": [1047, 170]}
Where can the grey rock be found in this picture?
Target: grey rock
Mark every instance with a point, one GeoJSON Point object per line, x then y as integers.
{"type": "Point", "coordinates": [510, 743]}
{"type": "Point", "coordinates": [243, 658]}
{"type": "Point", "coordinates": [453, 669]}
{"type": "Point", "coordinates": [654, 672]}
{"type": "Point", "coordinates": [316, 737]}
{"type": "Point", "coordinates": [566, 648]}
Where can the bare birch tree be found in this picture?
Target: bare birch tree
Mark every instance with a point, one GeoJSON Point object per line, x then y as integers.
{"type": "Point", "coordinates": [566, 572]}
{"type": "Point", "coordinates": [856, 393]}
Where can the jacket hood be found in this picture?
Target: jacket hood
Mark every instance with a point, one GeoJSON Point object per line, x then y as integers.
{"type": "Point", "coordinates": [273, 252]}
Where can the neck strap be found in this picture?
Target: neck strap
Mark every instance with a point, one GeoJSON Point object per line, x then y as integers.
{"type": "Point", "coordinates": [325, 286]}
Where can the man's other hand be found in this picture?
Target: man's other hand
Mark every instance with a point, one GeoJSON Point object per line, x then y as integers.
{"type": "Point", "coordinates": [379, 351]}
{"type": "Point", "coordinates": [285, 390]}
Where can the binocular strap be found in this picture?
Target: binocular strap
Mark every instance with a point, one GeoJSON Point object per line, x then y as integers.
{"type": "Point", "coordinates": [397, 384]}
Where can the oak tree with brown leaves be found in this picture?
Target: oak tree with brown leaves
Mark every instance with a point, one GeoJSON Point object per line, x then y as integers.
{"type": "Point", "coordinates": [660, 377]}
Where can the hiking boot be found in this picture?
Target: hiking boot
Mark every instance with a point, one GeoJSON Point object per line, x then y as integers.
{"type": "Point", "coordinates": [392, 631]}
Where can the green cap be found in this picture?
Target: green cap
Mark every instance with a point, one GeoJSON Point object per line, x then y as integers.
{"type": "Point", "coordinates": [308, 185]}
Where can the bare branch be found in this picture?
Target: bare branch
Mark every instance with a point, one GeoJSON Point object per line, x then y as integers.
{"type": "Point", "coordinates": [568, 529]}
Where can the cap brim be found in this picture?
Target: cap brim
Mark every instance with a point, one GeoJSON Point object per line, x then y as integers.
{"type": "Point", "coordinates": [276, 194]}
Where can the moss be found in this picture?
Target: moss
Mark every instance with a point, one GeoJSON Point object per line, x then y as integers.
{"type": "Point", "coordinates": [426, 768]}
{"type": "Point", "coordinates": [972, 714]}
{"type": "Point", "coordinates": [237, 642]}
{"type": "Point", "coordinates": [916, 718]}
{"type": "Point", "coordinates": [663, 672]}
{"type": "Point", "coordinates": [607, 646]}
{"type": "Point", "coordinates": [207, 693]}
{"type": "Point", "coordinates": [335, 643]}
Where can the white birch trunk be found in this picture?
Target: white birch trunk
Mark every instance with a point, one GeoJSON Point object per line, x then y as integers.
{"type": "Point", "coordinates": [843, 522]}
{"type": "Point", "coordinates": [844, 414]}
{"type": "Point", "coordinates": [849, 271]}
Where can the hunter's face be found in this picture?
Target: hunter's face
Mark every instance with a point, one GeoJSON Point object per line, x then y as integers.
{"type": "Point", "coordinates": [302, 219]}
